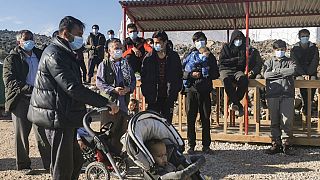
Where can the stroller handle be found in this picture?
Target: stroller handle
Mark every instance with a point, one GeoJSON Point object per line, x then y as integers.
{"type": "Point", "coordinates": [87, 120]}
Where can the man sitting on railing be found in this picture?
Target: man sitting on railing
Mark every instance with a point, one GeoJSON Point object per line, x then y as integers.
{"type": "Point", "coordinates": [279, 73]}
{"type": "Point", "coordinates": [306, 56]}
{"type": "Point", "coordinates": [232, 67]}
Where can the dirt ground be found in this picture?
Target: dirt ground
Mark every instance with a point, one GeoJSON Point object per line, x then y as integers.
{"type": "Point", "coordinates": [229, 161]}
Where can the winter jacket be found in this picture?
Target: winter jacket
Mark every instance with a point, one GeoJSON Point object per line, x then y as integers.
{"type": "Point", "coordinates": [279, 75]}
{"type": "Point", "coordinates": [95, 45]}
{"type": "Point", "coordinates": [231, 57]}
{"type": "Point", "coordinates": [150, 76]}
{"type": "Point", "coordinates": [58, 97]}
{"type": "Point", "coordinates": [15, 71]}
{"type": "Point", "coordinates": [203, 84]}
{"type": "Point", "coordinates": [307, 60]}
{"type": "Point", "coordinates": [255, 62]}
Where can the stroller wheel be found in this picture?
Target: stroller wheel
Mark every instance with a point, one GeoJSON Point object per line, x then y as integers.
{"type": "Point", "coordinates": [97, 171]}
{"type": "Point", "coordinates": [121, 163]}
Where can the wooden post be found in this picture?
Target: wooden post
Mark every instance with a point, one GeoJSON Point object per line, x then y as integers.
{"type": "Point", "coordinates": [256, 110]}
{"type": "Point", "coordinates": [218, 105]}
{"type": "Point", "coordinates": [180, 112]}
{"type": "Point", "coordinates": [318, 110]}
{"type": "Point", "coordinates": [225, 122]}
{"type": "Point", "coordinates": [309, 113]}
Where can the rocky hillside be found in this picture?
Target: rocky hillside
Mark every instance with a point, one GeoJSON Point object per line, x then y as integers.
{"type": "Point", "coordinates": [8, 41]}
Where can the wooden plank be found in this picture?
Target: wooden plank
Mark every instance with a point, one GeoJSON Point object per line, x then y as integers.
{"type": "Point", "coordinates": [218, 106]}
{"type": "Point", "coordinates": [318, 110]}
{"type": "Point", "coordinates": [256, 110]}
{"type": "Point", "coordinates": [225, 118]}
{"type": "Point", "coordinates": [180, 111]}
{"type": "Point", "coordinates": [309, 112]}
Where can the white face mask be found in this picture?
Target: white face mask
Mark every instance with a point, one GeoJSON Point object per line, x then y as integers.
{"type": "Point", "coordinates": [280, 54]}
{"type": "Point", "coordinates": [200, 44]}
{"type": "Point", "coordinates": [95, 31]}
{"type": "Point", "coordinates": [237, 42]}
{"type": "Point", "coordinates": [111, 36]}
{"type": "Point", "coordinates": [304, 40]}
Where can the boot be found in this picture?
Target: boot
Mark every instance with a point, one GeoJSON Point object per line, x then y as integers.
{"type": "Point", "coordinates": [275, 148]}
{"type": "Point", "coordinates": [287, 149]}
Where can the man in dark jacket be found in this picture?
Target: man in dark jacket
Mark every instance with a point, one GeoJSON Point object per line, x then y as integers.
{"type": "Point", "coordinates": [95, 45]}
{"type": "Point", "coordinates": [19, 71]}
{"type": "Point", "coordinates": [58, 99]}
{"type": "Point", "coordinates": [161, 76]}
{"type": "Point", "coordinates": [135, 48]}
{"type": "Point", "coordinates": [232, 67]}
{"type": "Point", "coordinates": [306, 56]}
{"type": "Point", "coordinates": [198, 85]}
{"type": "Point", "coordinates": [279, 72]}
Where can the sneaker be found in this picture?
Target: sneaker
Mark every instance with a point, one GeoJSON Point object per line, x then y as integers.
{"type": "Point", "coordinates": [191, 150]}
{"type": "Point", "coordinates": [28, 171]}
{"type": "Point", "coordinates": [240, 111]}
{"type": "Point", "coordinates": [234, 107]}
{"type": "Point", "coordinates": [287, 149]}
{"type": "Point", "coordinates": [207, 150]}
{"type": "Point", "coordinates": [274, 149]}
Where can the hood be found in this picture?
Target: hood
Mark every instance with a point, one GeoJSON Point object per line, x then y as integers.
{"type": "Point", "coordinates": [236, 33]}
{"type": "Point", "coordinates": [17, 50]}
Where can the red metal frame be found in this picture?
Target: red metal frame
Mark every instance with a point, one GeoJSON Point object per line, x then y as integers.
{"type": "Point", "coordinates": [124, 22]}
{"type": "Point", "coordinates": [246, 118]}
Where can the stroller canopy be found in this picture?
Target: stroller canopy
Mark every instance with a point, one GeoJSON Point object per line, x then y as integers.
{"type": "Point", "coordinates": [145, 126]}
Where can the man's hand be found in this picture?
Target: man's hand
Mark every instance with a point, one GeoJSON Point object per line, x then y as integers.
{"type": "Point", "coordinates": [82, 145]}
{"type": "Point", "coordinates": [114, 108]}
{"type": "Point", "coordinates": [196, 75]}
{"type": "Point", "coordinates": [137, 52]}
{"type": "Point", "coordinates": [126, 89]}
{"type": "Point", "coordinates": [118, 90]}
{"type": "Point", "coordinates": [306, 77]}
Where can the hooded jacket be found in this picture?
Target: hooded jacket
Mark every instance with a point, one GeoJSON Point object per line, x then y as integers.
{"type": "Point", "coordinates": [231, 57]}
{"type": "Point", "coordinates": [58, 98]}
{"type": "Point", "coordinates": [307, 60]}
{"type": "Point", "coordinates": [279, 77]}
{"type": "Point", "coordinates": [15, 71]}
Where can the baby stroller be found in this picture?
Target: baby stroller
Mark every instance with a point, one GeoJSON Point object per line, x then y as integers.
{"type": "Point", "coordinates": [149, 125]}
{"type": "Point", "coordinates": [103, 160]}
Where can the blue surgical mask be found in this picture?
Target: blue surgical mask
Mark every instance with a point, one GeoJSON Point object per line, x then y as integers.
{"type": "Point", "coordinates": [304, 40]}
{"type": "Point", "coordinates": [28, 45]}
{"type": "Point", "coordinates": [280, 54]}
{"type": "Point", "coordinates": [133, 35]}
{"type": "Point", "coordinates": [237, 42]}
{"type": "Point", "coordinates": [158, 47]}
{"type": "Point", "coordinates": [117, 54]}
{"type": "Point", "coordinates": [200, 44]}
{"type": "Point", "coordinates": [77, 43]}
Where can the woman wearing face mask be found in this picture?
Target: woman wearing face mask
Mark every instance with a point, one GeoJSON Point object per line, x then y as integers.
{"type": "Point", "coordinates": [232, 67]}
{"type": "Point", "coordinates": [306, 56]}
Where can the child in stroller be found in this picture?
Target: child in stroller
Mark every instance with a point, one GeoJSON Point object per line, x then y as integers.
{"type": "Point", "coordinates": [149, 129]}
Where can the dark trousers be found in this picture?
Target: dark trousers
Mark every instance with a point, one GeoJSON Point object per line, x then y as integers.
{"type": "Point", "coordinates": [83, 69]}
{"type": "Point", "coordinates": [304, 94]}
{"type": "Point", "coordinates": [198, 102]}
{"type": "Point", "coordinates": [22, 128]}
{"type": "Point", "coordinates": [164, 107]}
{"type": "Point", "coordinates": [235, 93]}
{"type": "Point", "coordinates": [66, 157]}
{"type": "Point", "coordinates": [93, 62]}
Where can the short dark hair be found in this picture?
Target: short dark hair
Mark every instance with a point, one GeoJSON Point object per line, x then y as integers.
{"type": "Point", "coordinates": [110, 31]}
{"type": "Point", "coordinates": [162, 35]}
{"type": "Point", "coordinates": [22, 32]}
{"type": "Point", "coordinates": [132, 26]}
{"type": "Point", "coordinates": [152, 142]}
{"type": "Point", "coordinates": [55, 33]}
{"type": "Point", "coordinates": [199, 35]}
{"type": "Point", "coordinates": [95, 26]}
{"type": "Point", "coordinates": [114, 40]}
{"type": "Point", "coordinates": [304, 31]}
{"type": "Point", "coordinates": [69, 22]}
{"type": "Point", "coordinates": [149, 40]}
{"type": "Point", "coordinates": [279, 44]}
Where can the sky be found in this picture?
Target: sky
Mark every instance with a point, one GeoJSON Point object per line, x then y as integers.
{"type": "Point", "coordinates": [43, 16]}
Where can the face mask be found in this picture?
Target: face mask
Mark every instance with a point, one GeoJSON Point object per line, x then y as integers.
{"type": "Point", "coordinates": [95, 31]}
{"type": "Point", "coordinates": [77, 43]}
{"type": "Point", "coordinates": [304, 40]}
{"type": "Point", "coordinates": [280, 54]}
{"type": "Point", "coordinates": [237, 42]}
{"type": "Point", "coordinates": [117, 54]}
{"type": "Point", "coordinates": [133, 35]}
{"type": "Point", "coordinates": [200, 44]}
{"type": "Point", "coordinates": [111, 36]}
{"type": "Point", "coordinates": [28, 45]}
{"type": "Point", "coordinates": [157, 47]}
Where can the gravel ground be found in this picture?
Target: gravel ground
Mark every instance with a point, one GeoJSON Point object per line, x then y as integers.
{"type": "Point", "coordinates": [228, 161]}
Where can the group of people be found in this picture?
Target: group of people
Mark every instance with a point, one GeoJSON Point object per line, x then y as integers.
{"type": "Point", "coordinates": [45, 89]}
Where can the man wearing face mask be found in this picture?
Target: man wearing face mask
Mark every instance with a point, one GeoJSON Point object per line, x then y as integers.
{"type": "Point", "coordinates": [95, 45]}
{"type": "Point", "coordinates": [19, 72]}
{"type": "Point", "coordinates": [232, 67]}
{"type": "Point", "coordinates": [279, 74]}
{"type": "Point", "coordinates": [306, 56]}
{"type": "Point", "coordinates": [135, 48]}
{"type": "Point", "coordinates": [161, 76]}
{"type": "Point", "coordinates": [199, 69]}
{"type": "Point", "coordinates": [58, 101]}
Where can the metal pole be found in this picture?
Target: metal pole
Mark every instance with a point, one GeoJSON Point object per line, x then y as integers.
{"type": "Point", "coordinates": [124, 22]}
{"type": "Point", "coordinates": [246, 120]}
{"type": "Point", "coordinates": [142, 34]}
{"type": "Point", "coordinates": [228, 36]}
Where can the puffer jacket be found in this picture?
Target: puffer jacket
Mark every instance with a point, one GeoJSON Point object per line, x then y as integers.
{"type": "Point", "coordinates": [58, 98]}
{"type": "Point", "coordinates": [279, 77]}
{"type": "Point", "coordinates": [15, 71]}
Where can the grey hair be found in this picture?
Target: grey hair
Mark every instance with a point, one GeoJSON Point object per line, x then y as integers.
{"type": "Point", "coordinates": [21, 33]}
{"type": "Point", "coordinates": [112, 41]}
